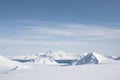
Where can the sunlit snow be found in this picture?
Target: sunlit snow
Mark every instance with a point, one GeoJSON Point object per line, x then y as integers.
{"type": "Point", "coordinates": [44, 67]}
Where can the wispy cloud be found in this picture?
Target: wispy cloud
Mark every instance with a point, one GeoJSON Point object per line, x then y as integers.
{"type": "Point", "coordinates": [77, 30]}
{"type": "Point", "coordinates": [50, 31]}
{"type": "Point", "coordinates": [35, 42]}
{"type": "Point", "coordinates": [74, 37]}
{"type": "Point", "coordinates": [60, 34]}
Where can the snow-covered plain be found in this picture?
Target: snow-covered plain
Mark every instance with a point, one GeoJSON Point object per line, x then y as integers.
{"type": "Point", "coordinates": [81, 72]}
{"type": "Point", "coordinates": [106, 69]}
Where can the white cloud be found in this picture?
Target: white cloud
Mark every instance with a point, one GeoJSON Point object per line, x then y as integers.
{"type": "Point", "coordinates": [76, 30]}
{"type": "Point", "coordinates": [35, 42]}
{"type": "Point", "coordinates": [62, 36]}
{"type": "Point", "coordinates": [55, 35]}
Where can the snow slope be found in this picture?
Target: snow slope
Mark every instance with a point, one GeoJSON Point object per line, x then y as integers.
{"type": "Point", "coordinates": [9, 65]}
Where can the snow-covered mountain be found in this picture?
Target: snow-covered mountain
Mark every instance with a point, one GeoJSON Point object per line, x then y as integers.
{"type": "Point", "coordinates": [116, 58]}
{"type": "Point", "coordinates": [113, 57]}
{"type": "Point", "coordinates": [25, 57]}
{"type": "Point", "coordinates": [44, 59]}
{"type": "Point", "coordinates": [8, 65]}
{"type": "Point", "coordinates": [84, 72]}
{"type": "Point", "coordinates": [60, 55]}
{"type": "Point", "coordinates": [41, 58]}
{"type": "Point", "coordinates": [93, 58]}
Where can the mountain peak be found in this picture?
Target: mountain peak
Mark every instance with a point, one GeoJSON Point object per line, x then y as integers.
{"type": "Point", "coordinates": [88, 59]}
{"type": "Point", "coordinates": [92, 58]}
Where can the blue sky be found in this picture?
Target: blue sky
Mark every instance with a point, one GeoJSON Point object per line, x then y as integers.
{"type": "Point", "coordinates": [76, 26]}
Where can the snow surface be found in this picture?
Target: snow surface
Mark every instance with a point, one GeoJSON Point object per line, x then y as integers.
{"type": "Point", "coordinates": [108, 69]}
{"type": "Point", "coordinates": [7, 65]}
{"type": "Point", "coordinates": [81, 72]}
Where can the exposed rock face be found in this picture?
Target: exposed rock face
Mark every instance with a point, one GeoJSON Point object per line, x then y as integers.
{"type": "Point", "coordinates": [88, 59]}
